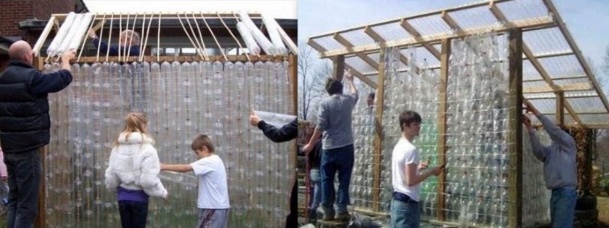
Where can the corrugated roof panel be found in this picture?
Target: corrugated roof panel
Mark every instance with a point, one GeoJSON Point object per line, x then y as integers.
{"type": "Point", "coordinates": [588, 93]}
{"type": "Point", "coordinates": [328, 43]}
{"type": "Point", "coordinates": [550, 95]}
{"type": "Point", "coordinates": [574, 84]}
{"type": "Point", "coordinates": [562, 66]}
{"type": "Point", "coordinates": [358, 37]}
{"type": "Point", "coordinates": [588, 104]}
{"type": "Point", "coordinates": [545, 105]}
{"type": "Point", "coordinates": [392, 31]}
{"type": "Point", "coordinates": [529, 72]}
{"type": "Point", "coordinates": [567, 118]}
{"type": "Point", "coordinates": [595, 118]}
{"type": "Point", "coordinates": [430, 25]}
{"type": "Point", "coordinates": [474, 17]}
{"type": "Point", "coordinates": [546, 41]}
{"type": "Point", "coordinates": [534, 84]}
{"type": "Point", "coordinates": [519, 10]}
{"type": "Point", "coordinates": [359, 65]}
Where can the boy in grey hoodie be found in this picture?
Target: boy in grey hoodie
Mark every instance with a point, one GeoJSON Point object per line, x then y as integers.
{"type": "Point", "coordinates": [559, 168]}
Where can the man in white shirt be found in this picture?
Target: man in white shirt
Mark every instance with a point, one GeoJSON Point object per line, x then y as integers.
{"type": "Point", "coordinates": [405, 175]}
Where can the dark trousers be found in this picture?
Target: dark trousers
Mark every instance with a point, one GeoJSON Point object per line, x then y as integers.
{"type": "Point", "coordinates": [24, 171]}
{"type": "Point", "coordinates": [292, 219]}
{"type": "Point", "coordinates": [133, 214]}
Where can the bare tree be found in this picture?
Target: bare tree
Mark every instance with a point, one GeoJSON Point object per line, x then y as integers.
{"type": "Point", "coordinates": [312, 73]}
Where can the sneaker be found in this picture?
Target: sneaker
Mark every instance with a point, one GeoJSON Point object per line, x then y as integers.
{"type": "Point", "coordinates": [343, 216]}
{"type": "Point", "coordinates": [325, 213]}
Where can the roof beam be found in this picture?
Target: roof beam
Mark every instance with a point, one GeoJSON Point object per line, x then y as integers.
{"type": "Point", "coordinates": [546, 77]}
{"type": "Point", "coordinates": [526, 24]}
{"type": "Point", "coordinates": [361, 76]}
{"type": "Point", "coordinates": [557, 79]}
{"type": "Point", "coordinates": [378, 38]}
{"type": "Point", "coordinates": [580, 58]}
{"type": "Point", "coordinates": [342, 40]}
{"type": "Point", "coordinates": [417, 36]}
{"type": "Point", "coordinates": [451, 22]}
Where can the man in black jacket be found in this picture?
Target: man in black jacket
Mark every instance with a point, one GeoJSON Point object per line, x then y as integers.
{"type": "Point", "coordinates": [24, 127]}
{"type": "Point", "coordinates": [285, 133]}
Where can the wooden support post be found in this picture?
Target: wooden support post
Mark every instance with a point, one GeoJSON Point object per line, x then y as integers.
{"type": "Point", "coordinates": [515, 129]}
{"type": "Point", "coordinates": [560, 104]}
{"type": "Point", "coordinates": [40, 222]}
{"type": "Point", "coordinates": [378, 133]}
{"type": "Point", "coordinates": [339, 67]}
{"type": "Point", "coordinates": [442, 148]}
{"type": "Point", "coordinates": [293, 74]}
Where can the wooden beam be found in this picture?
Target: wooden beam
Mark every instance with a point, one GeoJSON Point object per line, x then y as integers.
{"type": "Point", "coordinates": [515, 128]}
{"type": "Point", "coordinates": [338, 69]}
{"type": "Point", "coordinates": [558, 79]}
{"type": "Point", "coordinates": [451, 22]}
{"type": "Point", "coordinates": [566, 88]}
{"type": "Point", "coordinates": [497, 12]}
{"type": "Point", "coordinates": [43, 37]}
{"type": "Point", "coordinates": [417, 36]}
{"type": "Point", "coordinates": [316, 46]}
{"type": "Point", "coordinates": [209, 15]}
{"type": "Point", "coordinates": [361, 76]}
{"type": "Point", "coordinates": [525, 24]}
{"type": "Point", "coordinates": [378, 38]}
{"type": "Point", "coordinates": [442, 148]}
{"type": "Point", "coordinates": [580, 58]}
{"type": "Point", "coordinates": [554, 54]}
{"type": "Point", "coordinates": [547, 78]}
{"type": "Point", "coordinates": [342, 40]}
{"type": "Point", "coordinates": [597, 126]}
{"type": "Point", "coordinates": [560, 103]}
{"type": "Point", "coordinates": [378, 134]}
{"type": "Point", "coordinates": [463, 7]}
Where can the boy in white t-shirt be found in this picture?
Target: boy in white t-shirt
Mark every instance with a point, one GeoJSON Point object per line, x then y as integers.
{"type": "Point", "coordinates": [405, 176]}
{"type": "Point", "coordinates": [213, 202]}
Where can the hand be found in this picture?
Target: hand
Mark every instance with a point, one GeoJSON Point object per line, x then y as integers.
{"type": "Point", "coordinates": [348, 75]}
{"type": "Point", "coordinates": [527, 122]}
{"type": "Point", "coordinates": [307, 148]}
{"type": "Point", "coordinates": [529, 108]}
{"type": "Point", "coordinates": [68, 55]}
{"type": "Point", "coordinates": [423, 165]}
{"type": "Point", "coordinates": [254, 119]}
{"type": "Point", "coordinates": [166, 196]}
{"type": "Point", "coordinates": [91, 34]}
{"type": "Point", "coordinates": [163, 166]}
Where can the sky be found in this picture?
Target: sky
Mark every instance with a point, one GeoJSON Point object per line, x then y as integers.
{"type": "Point", "coordinates": [584, 20]}
{"type": "Point", "coordinates": [284, 9]}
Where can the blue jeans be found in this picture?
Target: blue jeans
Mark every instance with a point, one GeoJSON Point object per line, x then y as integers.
{"type": "Point", "coordinates": [316, 193]}
{"type": "Point", "coordinates": [562, 207]}
{"type": "Point", "coordinates": [24, 172]}
{"type": "Point", "coordinates": [133, 213]}
{"type": "Point", "coordinates": [332, 161]}
{"type": "Point", "coordinates": [405, 215]}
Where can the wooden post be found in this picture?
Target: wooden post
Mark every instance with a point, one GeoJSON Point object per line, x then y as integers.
{"type": "Point", "coordinates": [378, 133]}
{"type": "Point", "coordinates": [293, 75]}
{"type": "Point", "coordinates": [40, 222]}
{"type": "Point", "coordinates": [339, 67]}
{"type": "Point", "coordinates": [560, 104]}
{"type": "Point", "coordinates": [515, 129]}
{"type": "Point", "coordinates": [442, 148]}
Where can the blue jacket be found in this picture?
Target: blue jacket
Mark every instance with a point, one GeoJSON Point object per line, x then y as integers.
{"type": "Point", "coordinates": [24, 107]}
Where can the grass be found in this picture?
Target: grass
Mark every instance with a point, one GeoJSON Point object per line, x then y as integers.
{"type": "Point", "coordinates": [603, 211]}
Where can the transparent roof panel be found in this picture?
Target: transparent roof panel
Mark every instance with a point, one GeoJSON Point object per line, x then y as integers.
{"type": "Point", "coordinates": [473, 18]}
{"type": "Point", "coordinates": [562, 66]}
{"type": "Point", "coordinates": [529, 72]}
{"type": "Point", "coordinates": [595, 118]}
{"type": "Point", "coordinates": [358, 37]}
{"type": "Point", "coordinates": [328, 43]}
{"type": "Point", "coordinates": [519, 10]}
{"type": "Point", "coordinates": [430, 25]}
{"type": "Point", "coordinates": [549, 95]}
{"type": "Point", "coordinates": [587, 93]}
{"type": "Point", "coordinates": [589, 104]}
{"type": "Point", "coordinates": [546, 41]}
{"type": "Point", "coordinates": [535, 85]}
{"type": "Point", "coordinates": [359, 65]}
{"type": "Point", "coordinates": [574, 83]}
{"type": "Point", "coordinates": [391, 31]}
{"type": "Point", "coordinates": [545, 105]}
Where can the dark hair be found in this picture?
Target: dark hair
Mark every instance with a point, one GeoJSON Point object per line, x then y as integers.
{"type": "Point", "coordinates": [408, 117]}
{"type": "Point", "coordinates": [334, 86]}
{"type": "Point", "coordinates": [371, 95]}
{"type": "Point", "coordinates": [202, 141]}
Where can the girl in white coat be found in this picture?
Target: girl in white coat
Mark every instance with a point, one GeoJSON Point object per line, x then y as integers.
{"type": "Point", "coordinates": [133, 171]}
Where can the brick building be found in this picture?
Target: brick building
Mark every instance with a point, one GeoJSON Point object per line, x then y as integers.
{"type": "Point", "coordinates": [23, 20]}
